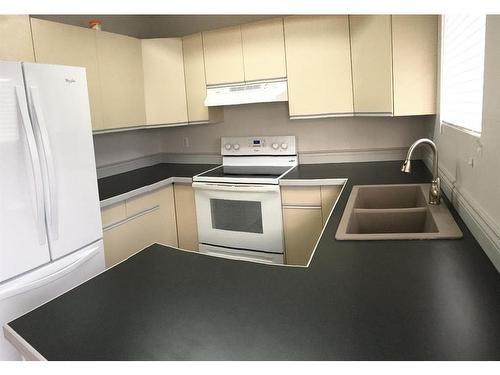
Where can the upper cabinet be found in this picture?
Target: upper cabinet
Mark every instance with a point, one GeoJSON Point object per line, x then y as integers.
{"type": "Point", "coordinates": [194, 73]}
{"type": "Point", "coordinates": [415, 42]}
{"type": "Point", "coordinates": [394, 64]}
{"type": "Point", "coordinates": [263, 50]}
{"type": "Point", "coordinates": [15, 38]}
{"type": "Point", "coordinates": [122, 81]}
{"type": "Point", "coordinates": [371, 49]}
{"type": "Point", "coordinates": [57, 43]}
{"type": "Point", "coordinates": [250, 52]}
{"type": "Point", "coordinates": [318, 62]}
{"type": "Point", "coordinates": [164, 86]}
{"type": "Point", "coordinates": [223, 56]}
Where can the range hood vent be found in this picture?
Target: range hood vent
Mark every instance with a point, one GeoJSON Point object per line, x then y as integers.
{"type": "Point", "coordinates": [245, 93]}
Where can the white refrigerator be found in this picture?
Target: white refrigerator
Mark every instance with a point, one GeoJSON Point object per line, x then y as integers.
{"type": "Point", "coordinates": [50, 222]}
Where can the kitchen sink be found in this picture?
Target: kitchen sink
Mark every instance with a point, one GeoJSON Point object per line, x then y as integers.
{"type": "Point", "coordinates": [395, 212]}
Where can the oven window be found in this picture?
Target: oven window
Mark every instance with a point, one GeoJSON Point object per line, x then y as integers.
{"type": "Point", "coordinates": [236, 215]}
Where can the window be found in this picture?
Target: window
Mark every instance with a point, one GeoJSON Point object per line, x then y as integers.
{"type": "Point", "coordinates": [462, 71]}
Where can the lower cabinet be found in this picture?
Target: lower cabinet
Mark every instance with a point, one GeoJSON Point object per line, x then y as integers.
{"type": "Point", "coordinates": [302, 228]}
{"type": "Point", "coordinates": [185, 211]}
{"type": "Point", "coordinates": [305, 211]}
{"type": "Point", "coordinates": [132, 225]}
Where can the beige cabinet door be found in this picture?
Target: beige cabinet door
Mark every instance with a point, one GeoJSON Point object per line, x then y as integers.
{"type": "Point", "coordinates": [165, 231]}
{"type": "Point", "coordinates": [187, 228]}
{"type": "Point", "coordinates": [57, 43]}
{"type": "Point", "coordinates": [129, 237]}
{"type": "Point", "coordinates": [164, 86]}
{"type": "Point", "coordinates": [318, 62]}
{"type": "Point", "coordinates": [371, 48]}
{"type": "Point", "coordinates": [223, 55]}
{"type": "Point", "coordinates": [414, 44]}
{"type": "Point", "coordinates": [329, 195]}
{"type": "Point", "coordinates": [194, 73]}
{"type": "Point", "coordinates": [263, 49]}
{"type": "Point", "coordinates": [138, 222]}
{"type": "Point", "coordinates": [302, 228]}
{"type": "Point", "coordinates": [301, 196]}
{"type": "Point", "coordinates": [122, 81]}
{"type": "Point", "coordinates": [15, 38]}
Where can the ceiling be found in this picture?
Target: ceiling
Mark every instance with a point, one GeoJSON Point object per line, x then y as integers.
{"type": "Point", "coordinates": [155, 26]}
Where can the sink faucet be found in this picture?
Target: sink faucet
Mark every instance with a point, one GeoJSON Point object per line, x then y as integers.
{"type": "Point", "coordinates": [435, 190]}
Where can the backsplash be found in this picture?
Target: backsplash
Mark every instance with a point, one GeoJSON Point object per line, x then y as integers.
{"type": "Point", "coordinates": [318, 140]}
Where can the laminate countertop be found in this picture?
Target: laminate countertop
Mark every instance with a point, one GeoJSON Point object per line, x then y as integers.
{"type": "Point", "coordinates": [357, 300]}
{"type": "Point", "coordinates": [122, 186]}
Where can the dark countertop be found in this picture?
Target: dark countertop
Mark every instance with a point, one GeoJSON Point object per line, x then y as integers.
{"type": "Point", "coordinates": [358, 300]}
{"type": "Point", "coordinates": [124, 182]}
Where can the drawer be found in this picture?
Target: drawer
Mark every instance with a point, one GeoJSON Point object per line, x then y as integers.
{"type": "Point", "coordinates": [301, 196]}
{"type": "Point", "coordinates": [142, 203]}
{"type": "Point", "coordinates": [113, 214]}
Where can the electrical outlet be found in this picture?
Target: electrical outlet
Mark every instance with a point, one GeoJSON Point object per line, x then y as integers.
{"type": "Point", "coordinates": [186, 142]}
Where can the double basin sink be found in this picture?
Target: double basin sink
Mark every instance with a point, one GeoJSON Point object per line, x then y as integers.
{"type": "Point", "coordinates": [395, 212]}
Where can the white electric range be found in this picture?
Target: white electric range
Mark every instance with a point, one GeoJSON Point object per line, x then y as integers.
{"type": "Point", "coordinates": [238, 204]}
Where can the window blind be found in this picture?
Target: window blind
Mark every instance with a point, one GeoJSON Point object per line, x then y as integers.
{"type": "Point", "coordinates": [462, 70]}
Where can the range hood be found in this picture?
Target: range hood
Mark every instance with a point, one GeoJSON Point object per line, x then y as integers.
{"type": "Point", "coordinates": [248, 92]}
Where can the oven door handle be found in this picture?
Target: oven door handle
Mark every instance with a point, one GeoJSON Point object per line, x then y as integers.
{"type": "Point", "coordinates": [237, 188]}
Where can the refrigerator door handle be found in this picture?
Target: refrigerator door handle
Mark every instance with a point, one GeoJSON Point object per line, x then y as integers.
{"type": "Point", "coordinates": [52, 209]}
{"type": "Point", "coordinates": [22, 286]}
{"type": "Point", "coordinates": [35, 165]}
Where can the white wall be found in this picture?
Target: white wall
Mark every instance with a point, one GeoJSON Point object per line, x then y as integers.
{"type": "Point", "coordinates": [333, 135]}
{"type": "Point", "coordinates": [478, 185]}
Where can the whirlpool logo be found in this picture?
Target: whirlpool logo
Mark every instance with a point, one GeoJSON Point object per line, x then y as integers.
{"type": "Point", "coordinates": [69, 80]}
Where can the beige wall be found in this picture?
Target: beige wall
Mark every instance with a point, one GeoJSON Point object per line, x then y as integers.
{"type": "Point", "coordinates": [318, 135]}
{"type": "Point", "coordinates": [480, 183]}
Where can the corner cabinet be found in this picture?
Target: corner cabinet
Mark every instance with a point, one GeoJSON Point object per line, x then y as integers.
{"type": "Point", "coordinates": [305, 211]}
{"type": "Point", "coordinates": [57, 43]}
{"type": "Point", "coordinates": [164, 86]}
{"type": "Point", "coordinates": [138, 222]}
{"type": "Point", "coordinates": [318, 61]}
{"type": "Point", "coordinates": [194, 73]}
{"type": "Point", "coordinates": [122, 81]}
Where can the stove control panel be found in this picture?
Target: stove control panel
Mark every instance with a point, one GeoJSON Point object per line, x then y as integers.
{"type": "Point", "coordinates": [266, 145]}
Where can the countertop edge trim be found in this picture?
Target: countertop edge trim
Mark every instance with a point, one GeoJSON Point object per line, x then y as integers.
{"type": "Point", "coordinates": [27, 351]}
{"type": "Point", "coordinates": [144, 189]}
{"type": "Point", "coordinates": [312, 181]}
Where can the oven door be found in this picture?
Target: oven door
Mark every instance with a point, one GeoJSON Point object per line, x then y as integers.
{"type": "Point", "coordinates": [246, 217]}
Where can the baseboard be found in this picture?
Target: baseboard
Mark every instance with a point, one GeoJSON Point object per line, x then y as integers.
{"type": "Point", "coordinates": [482, 226]}
{"type": "Point", "coordinates": [347, 156]}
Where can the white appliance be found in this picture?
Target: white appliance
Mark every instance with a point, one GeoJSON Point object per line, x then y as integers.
{"type": "Point", "coordinates": [50, 223]}
{"type": "Point", "coordinates": [249, 92]}
{"type": "Point", "coordinates": [238, 204]}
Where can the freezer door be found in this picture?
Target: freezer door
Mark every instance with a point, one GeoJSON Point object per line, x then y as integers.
{"type": "Point", "coordinates": [23, 235]}
{"type": "Point", "coordinates": [59, 109]}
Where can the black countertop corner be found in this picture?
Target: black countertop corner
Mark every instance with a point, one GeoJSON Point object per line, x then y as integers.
{"type": "Point", "coordinates": [115, 185]}
{"type": "Point", "coordinates": [358, 300]}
